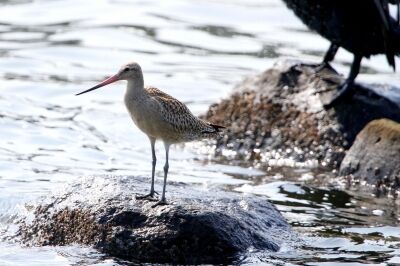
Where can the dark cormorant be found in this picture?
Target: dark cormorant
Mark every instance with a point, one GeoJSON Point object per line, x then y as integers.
{"type": "Point", "coordinates": [362, 27]}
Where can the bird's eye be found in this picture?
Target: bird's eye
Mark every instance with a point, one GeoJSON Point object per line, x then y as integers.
{"type": "Point", "coordinates": [126, 69]}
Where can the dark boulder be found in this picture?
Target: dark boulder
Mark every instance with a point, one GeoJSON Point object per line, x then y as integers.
{"type": "Point", "coordinates": [196, 227]}
{"type": "Point", "coordinates": [375, 155]}
{"type": "Point", "coordinates": [279, 113]}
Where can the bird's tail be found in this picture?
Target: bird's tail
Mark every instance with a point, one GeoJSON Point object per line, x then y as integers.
{"type": "Point", "coordinates": [215, 128]}
{"type": "Point", "coordinates": [396, 42]}
{"type": "Point", "coordinates": [396, 30]}
{"type": "Point", "coordinates": [392, 48]}
{"type": "Point", "coordinates": [390, 29]}
{"type": "Point", "coordinates": [397, 39]}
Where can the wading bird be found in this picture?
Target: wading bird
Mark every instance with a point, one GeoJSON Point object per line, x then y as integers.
{"type": "Point", "coordinates": [362, 27]}
{"type": "Point", "coordinates": [159, 116]}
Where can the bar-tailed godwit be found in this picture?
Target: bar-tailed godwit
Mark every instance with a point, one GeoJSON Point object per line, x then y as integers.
{"type": "Point", "coordinates": [159, 116]}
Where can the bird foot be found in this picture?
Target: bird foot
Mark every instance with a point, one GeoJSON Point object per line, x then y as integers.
{"type": "Point", "coordinates": [322, 66]}
{"type": "Point", "coordinates": [160, 203]}
{"type": "Point", "coordinates": [299, 66]}
{"type": "Point", "coordinates": [306, 65]}
{"type": "Point", "coordinates": [346, 92]}
{"type": "Point", "coordinates": [330, 80]}
{"type": "Point", "coordinates": [149, 196]}
{"type": "Point", "coordinates": [316, 68]}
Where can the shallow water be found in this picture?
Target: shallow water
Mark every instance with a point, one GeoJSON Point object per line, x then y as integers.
{"type": "Point", "coordinates": [196, 51]}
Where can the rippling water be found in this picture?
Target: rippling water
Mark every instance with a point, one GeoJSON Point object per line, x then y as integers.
{"type": "Point", "coordinates": [194, 50]}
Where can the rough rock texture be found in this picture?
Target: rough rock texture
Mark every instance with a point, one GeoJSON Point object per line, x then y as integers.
{"type": "Point", "coordinates": [197, 227]}
{"type": "Point", "coordinates": [279, 113]}
{"type": "Point", "coordinates": [375, 154]}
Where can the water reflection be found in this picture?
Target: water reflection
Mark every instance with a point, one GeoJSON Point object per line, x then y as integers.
{"type": "Point", "coordinates": [196, 51]}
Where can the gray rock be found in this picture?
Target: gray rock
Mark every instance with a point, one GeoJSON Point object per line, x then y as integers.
{"type": "Point", "coordinates": [280, 111]}
{"type": "Point", "coordinates": [375, 155]}
{"type": "Point", "coordinates": [197, 227]}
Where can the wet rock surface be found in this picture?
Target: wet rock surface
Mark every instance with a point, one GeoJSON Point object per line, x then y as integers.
{"type": "Point", "coordinates": [279, 114]}
{"type": "Point", "coordinates": [375, 155]}
{"type": "Point", "coordinates": [197, 227]}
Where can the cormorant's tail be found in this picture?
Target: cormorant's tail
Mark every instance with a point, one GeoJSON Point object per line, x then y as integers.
{"type": "Point", "coordinates": [392, 47]}
{"type": "Point", "coordinates": [396, 31]}
{"type": "Point", "coordinates": [390, 29]}
{"type": "Point", "coordinates": [396, 36]}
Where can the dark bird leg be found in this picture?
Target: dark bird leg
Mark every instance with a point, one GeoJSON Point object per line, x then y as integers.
{"type": "Point", "coordinates": [346, 88]}
{"type": "Point", "coordinates": [163, 201]}
{"type": "Point", "coordinates": [330, 54]}
{"type": "Point", "coordinates": [152, 191]}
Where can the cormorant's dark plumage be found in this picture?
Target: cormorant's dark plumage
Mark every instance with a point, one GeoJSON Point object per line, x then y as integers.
{"type": "Point", "coordinates": [362, 27]}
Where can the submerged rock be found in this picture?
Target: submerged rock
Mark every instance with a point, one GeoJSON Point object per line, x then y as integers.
{"type": "Point", "coordinates": [279, 114]}
{"type": "Point", "coordinates": [196, 227]}
{"type": "Point", "coordinates": [375, 155]}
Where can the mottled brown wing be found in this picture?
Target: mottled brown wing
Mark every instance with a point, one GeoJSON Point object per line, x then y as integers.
{"type": "Point", "coordinates": [177, 114]}
{"type": "Point", "coordinates": [154, 92]}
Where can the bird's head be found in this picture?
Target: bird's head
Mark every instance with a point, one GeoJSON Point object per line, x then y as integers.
{"type": "Point", "coordinates": [130, 71]}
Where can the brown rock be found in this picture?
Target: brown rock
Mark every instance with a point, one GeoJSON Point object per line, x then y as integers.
{"type": "Point", "coordinates": [375, 154]}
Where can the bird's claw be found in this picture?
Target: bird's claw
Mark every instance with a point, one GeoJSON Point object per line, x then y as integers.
{"type": "Point", "coordinates": [316, 68]}
{"type": "Point", "coordinates": [299, 66]}
{"type": "Point", "coordinates": [149, 196]}
{"type": "Point", "coordinates": [160, 203]}
{"type": "Point", "coordinates": [346, 91]}
{"type": "Point", "coordinates": [324, 65]}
